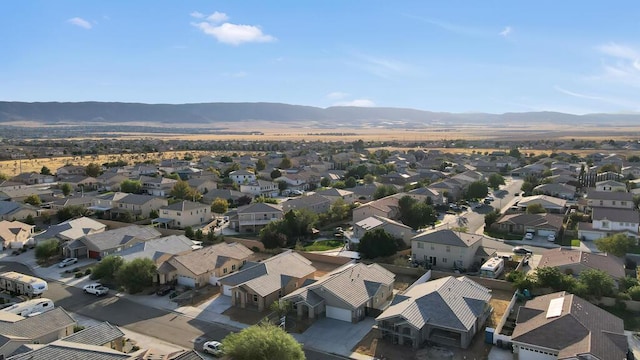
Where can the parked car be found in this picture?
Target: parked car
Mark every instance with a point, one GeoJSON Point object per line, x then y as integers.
{"type": "Point", "coordinates": [165, 289]}
{"type": "Point", "coordinates": [96, 289]}
{"type": "Point", "coordinates": [212, 347]}
{"type": "Point", "coordinates": [528, 236]}
{"type": "Point", "coordinates": [551, 238]}
{"type": "Point", "coordinates": [67, 261]}
{"type": "Point", "coordinates": [522, 251]}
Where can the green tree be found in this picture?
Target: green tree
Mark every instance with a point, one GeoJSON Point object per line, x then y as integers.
{"type": "Point", "coordinates": [477, 190]}
{"type": "Point", "coordinates": [188, 232]}
{"type": "Point", "coordinates": [627, 282]}
{"type": "Point", "coordinates": [66, 189]}
{"type": "Point", "coordinates": [153, 214]}
{"type": "Point", "coordinates": [339, 210]}
{"type": "Point", "coordinates": [70, 212]}
{"type": "Point", "coordinates": [597, 283]}
{"type": "Point", "coordinates": [285, 163]}
{"type": "Point", "coordinates": [264, 341]}
{"type": "Point", "coordinates": [181, 190]}
{"type": "Point", "coordinates": [107, 269]}
{"type": "Point", "coordinates": [515, 153]}
{"type": "Point", "coordinates": [136, 275]}
{"type": "Point", "coordinates": [351, 182]}
{"type": "Point", "coordinates": [634, 292]}
{"type": "Point", "coordinates": [384, 191]}
{"type": "Point", "coordinates": [618, 244]}
{"type": "Point", "coordinates": [3, 176]}
{"type": "Point", "coordinates": [33, 199]}
{"type": "Point", "coordinates": [131, 186]}
{"type": "Point", "coordinates": [45, 171]}
{"type": "Point", "coordinates": [521, 280]}
{"type": "Point", "coordinates": [491, 218]}
{"type": "Point", "coordinates": [495, 180]}
{"type": "Point", "coordinates": [369, 179]}
{"type": "Point", "coordinates": [275, 174]}
{"type": "Point", "coordinates": [260, 165]}
{"type": "Point", "coordinates": [219, 206]}
{"type": "Point", "coordinates": [93, 170]}
{"type": "Point", "coordinates": [552, 277]}
{"type": "Point", "coordinates": [325, 182]}
{"type": "Point", "coordinates": [527, 187]}
{"type": "Point", "coordinates": [30, 220]}
{"type": "Point", "coordinates": [536, 209]}
{"type": "Point", "coordinates": [47, 249]}
{"type": "Point", "coordinates": [377, 243]}
{"type": "Point", "coordinates": [126, 216]}
{"type": "Point", "coordinates": [339, 184]}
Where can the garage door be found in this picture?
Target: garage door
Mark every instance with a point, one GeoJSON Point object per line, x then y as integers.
{"type": "Point", "coordinates": [186, 281]}
{"type": "Point", "coordinates": [545, 232]}
{"type": "Point", "coordinates": [338, 313]}
{"type": "Point", "coordinates": [226, 290]}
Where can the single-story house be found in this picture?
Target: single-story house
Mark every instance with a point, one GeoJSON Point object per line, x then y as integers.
{"type": "Point", "coordinates": [15, 235]}
{"type": "Point", "coordinates": [10, 210]}
{"type": "Point", "coordinates": [576, 261]}
{"type": "Point", "coordinates": [394, 228]}
{"type": "Point", "coordinates": [447, 311]}
{"type": "Point", "coordinates": [72, 230]}
{"type": "Point", "coordinates": [549, 203]}
{"type": "Point", "coordinates": [540, 224]}
{"type": "Point", "coordinates": [99, 245]}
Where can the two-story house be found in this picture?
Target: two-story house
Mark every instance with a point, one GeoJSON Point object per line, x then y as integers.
{"type": "Point", "coordinates": [611, 185]}
{"type": "Point", "coordinates": [183, 214]}
{"type": "Point", "coordinates": [447, 249]}
{"type": "Point", "coordinates": [242, 176]}
{"type": "Point", "coordinates": [386, 207]}
{"type": "Point", "coordinates": [314, 203]}
{"type": "Point", "coordinates": [253, 217]}
{"type": "Point", "coordinates": [260, 188]}
{"type": "Point", "coordinates": [334, 195]}
{"type": "Point", "coordinates": [157, 186]}
{"type": "Point", "coordinates": [138, 205]}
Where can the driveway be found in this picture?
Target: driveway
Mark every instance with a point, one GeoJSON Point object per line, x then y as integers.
{"type": "Point", "coordinates": [335, 336]}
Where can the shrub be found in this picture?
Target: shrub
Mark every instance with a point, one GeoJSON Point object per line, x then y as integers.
{"type": "Point", "coordinates": [78, 275]}
{"type": "Point", "coordinates": [255, 249]}
{"type": "Point", "coordinates": [77, 328]}
{"type": "Point", "coordinates": [87, 271]}
{"type": "Point", "coordinates": [634, 292]}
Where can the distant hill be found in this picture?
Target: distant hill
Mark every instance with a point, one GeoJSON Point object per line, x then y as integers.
{"type": "Point", "coordinates": [207, 113]}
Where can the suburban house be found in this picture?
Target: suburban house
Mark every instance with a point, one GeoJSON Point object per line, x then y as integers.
{"type": "Point", "coordinates": [15, 235]}
{"type": "Point", "coordinates": [424, 193]}
{"type": "Point", "coordinates": [549, 203]}
{"type": "Point", "coordinates": [609, 221]}
{"type": "Point", "coordinates": [102, 334]}
{"type": "Point", "coordinates": [82, 201]}
{"type": "Point", "coordinates": [334, 195]}
{"type": "Point", "coordinates": [562, 191]}
{"type": "Point", "coordinates": [231, 196]}
{"type": "Point", "coordinates": [21, 194]}
{"type": "Point", "coordinates": [72, 230]}
{"type": "Point", "coordinates": [253, 217]}
{"type": "Point", "coordinates": [448, 311]}
{"type": "Point", "coordinates": [394, 228]}
{"type": "Point", "coordinates": [363, 193]}
{"type": "Point", "coordinates": [110, 181]}
{"type": "Point", "coordinates": [183, 214]}
{"type": "Point", "coordinates": [608, 199]}
{"type": "Point", "coordinates": [611, 185]}
{"type": "Point", "coordinates": [202, 185]}
{"type": "Point", "coordinates": [447, 249]}
{"type": "Point", "coordinates": [297, 181]}
{"type": "Point", "coordinates": [521, 223]}
{"type": "Point", "coordinates": [385, 207]}
{"type": "Point", "coordinates": [314, 203]}
{"type": "Point", "coordinates": [633, 171]}
{"type": "Point", "coordinates": [81, 182]}
{"type": "Point", "coordinates": [205, 266]}
{"type": "Point", "coordinates": [70, 170]}
{"type": "Point", "coordinates": [16, 331]}
{"type": "Point", "coordinates": [10, 210]}
{"type": "Point", "coordinates": [242, 176]}
{"type": "Point", "coordinates": [257, 285]}
{"type": "Point", "coordinates": [348, 293]}
{"type": "Point", "coordinates": [260, 188]}
{"type": "Point", "coordinates": [33, 178]}
{"type": "Point", "coordinates": [97, 246]}
{"type": "Point", "coordinates": [564, 326]}
{"type": "Point", "coordinates": [138, 205]}
{"type": "Point", "coordinates": [157, 186]}
{"type": "Point", "coordinates": [576, 261]}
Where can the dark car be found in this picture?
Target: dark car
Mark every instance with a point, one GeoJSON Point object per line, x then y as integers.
{"type": "Point", "coordinates": [522, 251]}
{"type": "Point", "coordinates": [164, 290]}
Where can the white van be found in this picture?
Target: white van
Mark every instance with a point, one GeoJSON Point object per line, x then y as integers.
{"type": "Point", "coordinates": [30, 307]}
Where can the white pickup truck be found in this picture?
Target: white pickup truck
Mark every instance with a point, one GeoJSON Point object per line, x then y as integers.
{"type": "Point", "coordinates": [95, 289]}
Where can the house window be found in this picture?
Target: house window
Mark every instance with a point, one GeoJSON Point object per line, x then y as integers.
{"type": "Point", "coordinates": [233, 268]}
{"type": "Point", "coordinates": [255, 298]}
{"type": "Point", "coordinates": [444, 260]}
{"type": "Point", "coordinates": [605, 224]}
{"type": "Point", "coordinates": [601, 202]}
{"type": "Point", "coordinates": [224, 271]}
{"type": "Point", "coordinates": [433, 247]}
{"type": "Point", "coordinates": [420, 245]}
{"type": "Point", "coordinates": [613, 202]}
{"type": "Point", "coordinates": [623, 203]}
{"type": "Point", "coordinates": [448, 248]}
{"type": "Point", "coordinates": [179, 213]}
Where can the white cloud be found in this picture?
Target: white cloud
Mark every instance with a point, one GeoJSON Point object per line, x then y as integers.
{"type": "Point", "coordinates": [336, 95]}
{"type": "Point", "coordinates": [228, 33]}
{"type": "Point", "coordinates": [197, 15]}
{"type": "Point", "coordinates": [619, 51]}
{"type": "Point", "coordinates": [356, 102]}
{"type": "Point", "coordinates": [626, 104]}
{"type": "Point", "coordinates": [623, 65]}
{"type": "Point", "coordinates": [506, 32]}
{"type": "Point", "coordinates": [80, 22]}
{"type": "Point", "coordinates": [217, 17]}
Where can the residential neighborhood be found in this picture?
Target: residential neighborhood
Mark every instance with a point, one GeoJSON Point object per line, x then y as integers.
{"type": "Point", "coordinates": [387, 248]}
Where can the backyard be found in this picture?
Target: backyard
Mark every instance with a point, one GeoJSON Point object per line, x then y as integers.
{"type": "Point", "coordinates": [323, 245]}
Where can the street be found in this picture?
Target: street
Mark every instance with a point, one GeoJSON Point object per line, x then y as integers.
{"type": "Point", "coordinates": [164, 325]}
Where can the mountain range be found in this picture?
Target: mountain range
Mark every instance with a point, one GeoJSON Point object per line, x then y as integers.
{"type": "Point", "coordinates": [70, 113]}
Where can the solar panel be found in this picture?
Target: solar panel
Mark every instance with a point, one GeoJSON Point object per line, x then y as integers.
{"type": "Point", "coordinates": [555, 307]}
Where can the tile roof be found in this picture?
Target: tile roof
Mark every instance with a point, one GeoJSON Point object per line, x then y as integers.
{"type": "Point", "coordinates": [581, 328]}
{"type": "Point", "coordinates": [544, 200]}
{"type": "Point", "coordinates": [354, 284]}
{"type": "Point", "coordinates": [609, 195]}
{"type": "Point", "coordinates": [185, 206]}
{"type": "Point", "coordinates": [449, 237]}
{"type": "Point", "coordinates": [269, 275]}
{"type": "Point", "coordinates": [155, 248]}
{"type": "Point", "coordinates": [9, 229]}
{"type": "Point", "coordinates": [99, 334]}
{"type": "Point", "coordinates": [334, 192]}
{"type": "Point", "coordinates": [61, 350]}
{"type": "Point", "coordinates": [72, 229]}
{"type": "Point", "coordinates": [616, 215]}
{"type": "Point", "coordinates": [612, 265]}
{"type": "Point", "coordinates": [114, 238]}
{"type": "Point", "coordinates": [543, 221]}
{"type": "Point", "coordinates": [259, 208]}
{"type": "Point", "coordinates": [207, 259]}
{"type": "Point", "coordinates": [450, 302]}
{"type": "Point", "coordinates": [185, 355]}
{"type": "Point", "coordinates": [38, 326]}
{"type": "Point", "coordinates": [137, 199]}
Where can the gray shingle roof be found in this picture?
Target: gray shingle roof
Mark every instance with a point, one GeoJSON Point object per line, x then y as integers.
{"type": "Point", "coordinates": [40, 325]}
{"type": "Point", "coordinates": [449, 237]}
{"type": "Point", "coordinates": [68, 351]}
{"type": "Point", "coordinates": [207, 259]}
{"type": "Point", "coordinates": [136, 199]}
{"type": "Point", "coordinates": [185, 355]}
{"type": "Point", "coordinates": [259, 208]}
{"type": "Point", "coordinates": [616, 215]}
{"type": "Point", "coordinates": [100, 334]}
{"type": "Point", "coordinates": [113, 238]}
{"type": "Point", "coordinates": [581, 328]}
{"type": "Point", "coordinates": [185, 206]}
{"type": "Point", "coordinates": [448, 302]}
{"type": "Point", "coordinates": [154, 248]}
{"type": "Point", "coordinates": [609, 195]}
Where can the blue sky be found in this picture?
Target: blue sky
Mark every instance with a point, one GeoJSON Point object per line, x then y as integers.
{"type": "Point", "coordinates": [456, 56]}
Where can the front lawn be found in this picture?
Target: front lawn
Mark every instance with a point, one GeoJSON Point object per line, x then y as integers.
{"type": "Point", "coordinates": [575, 243]}
{"type": "Point", "coordinates": [323, 245]}
{"type": "Point", "coordinates": [502, 235]}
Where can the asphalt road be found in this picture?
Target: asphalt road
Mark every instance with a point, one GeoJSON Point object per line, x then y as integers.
{"type": "Point", "coordinates": [164, 325]}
